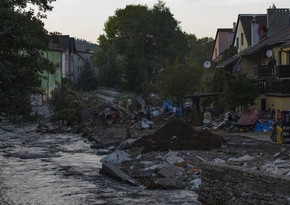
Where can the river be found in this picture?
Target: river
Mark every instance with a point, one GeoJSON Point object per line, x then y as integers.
{"type": "Point", "coordinates": [62, 169]}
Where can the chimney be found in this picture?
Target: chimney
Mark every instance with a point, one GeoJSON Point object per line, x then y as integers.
{"type": "Point", "coordinates": [277, 19]}
{"type": "Point", "coordinates": [254, 31]}
{"type": "Point", "coordinates": [234, 26]}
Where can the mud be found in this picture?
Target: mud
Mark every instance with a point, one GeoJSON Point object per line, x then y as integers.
{"type": "Point", "coordinates": [178, 135]}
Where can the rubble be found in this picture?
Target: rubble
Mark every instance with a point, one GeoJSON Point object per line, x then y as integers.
{"type": "Point", "coordinates": [178, 135]}
{"type": "Point", "coordinates": [171, 157]}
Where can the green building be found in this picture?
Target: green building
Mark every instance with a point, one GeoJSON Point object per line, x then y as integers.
{"type": "Point", "coordinates": [52, 80]}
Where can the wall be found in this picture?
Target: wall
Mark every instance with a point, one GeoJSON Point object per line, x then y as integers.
{"type": "Point", "coordinates": [279, 103]}
{"type": "Point", "coordinates": [52, 80]}
{"type": "Point", "coordinates": [232, 185]}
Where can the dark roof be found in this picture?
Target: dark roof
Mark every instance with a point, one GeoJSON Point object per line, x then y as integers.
{"type": "Point", "coordinates": [54, 47]}
{"type": "Point", "coordinates": [280, 37]}
{"type": "Point", "coordinates": [245, 20]}
{"type": "Point", "coordinates": [83, 49]}
{"type": "Point", "coordinates": [231, 60]}
{"type": "Point", "coordinates": [286, 44]}
{"type": "Point", "coordinates": [67, 43]}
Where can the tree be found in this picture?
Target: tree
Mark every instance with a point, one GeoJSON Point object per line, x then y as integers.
{"type": "Point", "coordinates": [87, 80]}
{"type": "Point", "coordinates": [22, 42]}
{"type": "Point", "coordinates": [67, 103]}
{"type": "Point", "coordinates": [229, 52]}
{"type": "Point", "coordinates": [238, 91]}
{"type": "Point", "coordinates": [139, 43]}
{"type": "Point", "coordinates": [179, 80]}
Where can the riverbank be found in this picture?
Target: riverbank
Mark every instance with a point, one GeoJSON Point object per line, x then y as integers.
{"type": "Point", "coordinates": [50, 168]}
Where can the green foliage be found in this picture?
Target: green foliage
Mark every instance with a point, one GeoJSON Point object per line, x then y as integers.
{"type": "Point", "coordinates": [87, 80]}
{"type": "Point", "coordinates": [22, 42]}
{"type": "Point", "coordinates": [138, 44]}
{"type": "Point", "coordinates": [229, 52]}
{"type": "Point", "coordinates": [179, 80]}
{"type": "Point", "coordinates": [66, 103]}
{"type": "Point", "coordinates": [238, 91]}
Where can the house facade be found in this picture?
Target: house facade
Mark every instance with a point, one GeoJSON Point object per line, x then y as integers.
{"type": "Point", "coordinates": [247, 30]}
{"type": "Point", "coordinates": [268, 63]}
{"type": "Point", "coordinates": [223, 39]}
{"type": "Point", "coordinates": [82, 55]}
{"type": "Point", "coordinates": [265, 60]}
{"type": "Point", "coordinates": [51, 80]}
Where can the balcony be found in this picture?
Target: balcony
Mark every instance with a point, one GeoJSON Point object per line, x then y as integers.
{"type": "Point", "coordinates": [267, 72]}
{"type": "Point", "coordinates": [278, 87]}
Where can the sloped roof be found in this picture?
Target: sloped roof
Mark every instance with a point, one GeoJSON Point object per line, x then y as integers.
{"type": "Point", "coordinates": [281, 37]}
{"type": "Point", "coordinates": [229, 61]}
{"type": "Point", "coordinates": [245, 20]}
{"type": "Point", "coordinates": [54, 47]}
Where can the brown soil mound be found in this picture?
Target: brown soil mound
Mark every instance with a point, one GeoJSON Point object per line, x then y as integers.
{"type": "Point", "coordinates": [178, 135]}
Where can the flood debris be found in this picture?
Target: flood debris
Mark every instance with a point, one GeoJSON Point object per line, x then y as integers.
{"type": "Point", "coordinates": [171, 156]}
{"type": "Point", "coordinates": [164, 151]}
{"type": "Point", "coordinates": [178, 135]}
{"type": "Point", "coordinates": [114, 171]}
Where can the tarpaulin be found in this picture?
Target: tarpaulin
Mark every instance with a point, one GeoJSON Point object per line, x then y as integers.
{"type": "Point", "coordinates": [249, 117]}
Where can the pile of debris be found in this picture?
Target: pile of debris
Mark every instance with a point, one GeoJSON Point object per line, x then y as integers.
{"type": "Point", "coordinates": [178, 135]}
{"type": "Point", "coordinates": [166, 169]}
{"type": "Point", "coordinates": [171, 157]}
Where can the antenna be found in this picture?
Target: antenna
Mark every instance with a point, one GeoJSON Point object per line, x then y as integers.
{"type": "Point", "coordinates": [269, 53]}
{"type": "Point", "coordinates": [206, 64]}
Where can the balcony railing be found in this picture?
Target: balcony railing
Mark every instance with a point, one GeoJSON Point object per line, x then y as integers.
{"type": "Point", "coordinates": [283, 71]}
{"type": "Point", "coordinates": [275, 86]}
{"type": "Point", "coordinates": [278, 86]}
{"type": "Point", "coordinates": [265, 71]}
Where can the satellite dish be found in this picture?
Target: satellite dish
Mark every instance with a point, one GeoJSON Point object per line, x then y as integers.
{"type": "Point", "coordinates": [206, 64]}
{"type": "Point", "coordinates": [269, 53]}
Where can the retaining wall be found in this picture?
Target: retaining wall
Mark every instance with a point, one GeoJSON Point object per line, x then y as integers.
{"type": "Point", "coordinates": [232, 185]}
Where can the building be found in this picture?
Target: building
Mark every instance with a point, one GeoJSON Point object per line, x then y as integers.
{"type": "Point", "coordinates": [67, 44]}
{"type": "Point", "coordinates": [247, 30]}
{"type": "Point", "coordinates": [223, 39]}
{"type": "Point", "coordinates": [82, 55]}
{"type": "Point", "coordinates": [265, 60]}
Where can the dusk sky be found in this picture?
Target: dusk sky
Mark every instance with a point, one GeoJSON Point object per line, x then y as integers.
{"type": "Point", "coordinates": [85, 18]}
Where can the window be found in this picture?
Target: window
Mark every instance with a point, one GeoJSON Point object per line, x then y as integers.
{"type": "Point", "coordinates": [79, 69]}
{"type": "Point", "coordinates": [238, 43]}
{"type": "Point", "coordinates": [242, 39]}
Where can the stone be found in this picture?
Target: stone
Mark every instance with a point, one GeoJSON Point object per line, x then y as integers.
{"type": "Point", "coordinates": [171, 171]}
{"type": "Point", "coordinates": [116, 157]}
{"type": "Point", "coordinates": [166, 183]}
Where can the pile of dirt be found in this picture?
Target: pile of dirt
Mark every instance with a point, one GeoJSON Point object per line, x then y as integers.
{"type": "Point", "coordinates": [178, 135]}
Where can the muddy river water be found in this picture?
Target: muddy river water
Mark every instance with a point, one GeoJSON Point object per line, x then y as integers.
{"type": "Point", "coordinates": [62, 169]}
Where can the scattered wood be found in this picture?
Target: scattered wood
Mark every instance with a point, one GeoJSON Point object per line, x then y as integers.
{"type": "Point", "coordinates": [200, 158]}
